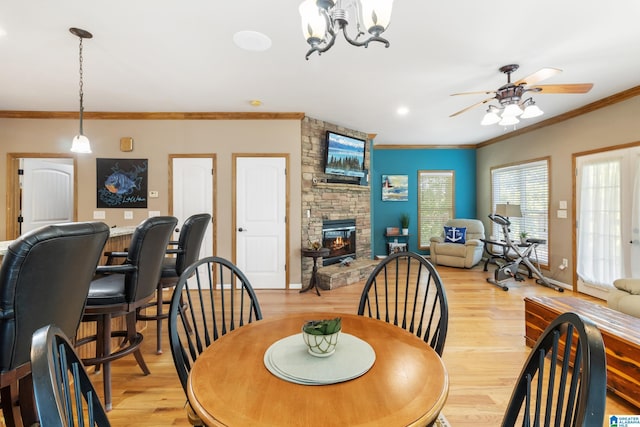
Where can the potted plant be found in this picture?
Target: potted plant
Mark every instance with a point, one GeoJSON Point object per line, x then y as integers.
{"type": "Point", "coordinates": [523, 237]}
{"type": "Point", "coordinates": [404, 221]}
{"type": "Point", "coordinates": [321, 336]}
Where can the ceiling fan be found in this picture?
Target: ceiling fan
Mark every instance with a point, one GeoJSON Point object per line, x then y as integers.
{"type": "Point", "coordinates": [511, 96]}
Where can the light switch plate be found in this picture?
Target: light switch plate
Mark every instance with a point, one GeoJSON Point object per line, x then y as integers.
{"type": "Point", "coordinates": [99, 215]}
{"type": "Point", "coordinates": [562, 213]}
{"type": "Point", "coordinates": [153, 194]}
{"type": "Point", "coordinates": [562, 204]}
{"type": "Point", "coordinates": [128, 214]}
{"type": "Point", "coordinates": [154, 213]}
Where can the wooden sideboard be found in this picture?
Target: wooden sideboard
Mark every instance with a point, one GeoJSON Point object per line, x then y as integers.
{"type": "Point", "coordinates": [620, 333]}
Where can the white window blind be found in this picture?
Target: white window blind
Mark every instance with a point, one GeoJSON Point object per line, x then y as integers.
{"type": "Point", "coordinates": [527, 185]}
{"type": "Point", "coordinates": [435, 203]}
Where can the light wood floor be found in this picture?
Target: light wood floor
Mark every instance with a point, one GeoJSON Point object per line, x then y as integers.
{"type": "Point", "coordinates": [484, 353]}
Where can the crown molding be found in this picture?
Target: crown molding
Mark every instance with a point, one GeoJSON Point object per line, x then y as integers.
{"type": "Point", "coordinates": [102, 115]}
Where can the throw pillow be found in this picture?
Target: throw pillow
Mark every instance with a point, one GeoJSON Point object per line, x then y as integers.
{"type": "Point", "coordinates": [455, 234]}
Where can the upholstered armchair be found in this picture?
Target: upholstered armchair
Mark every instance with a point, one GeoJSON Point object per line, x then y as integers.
{"type": "Point", "coordinates": [461, 244]}
{"type": "Point", "coordinates": [625, 297]}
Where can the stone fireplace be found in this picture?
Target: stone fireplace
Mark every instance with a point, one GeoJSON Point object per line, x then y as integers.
{"type": "Point", "coordinates": [328, 201]}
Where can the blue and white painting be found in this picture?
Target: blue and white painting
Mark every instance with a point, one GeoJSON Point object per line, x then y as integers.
{"type": "Point", "coordinates": [395, 188]}
{"type": "Point", "coordinates": [122, 183]}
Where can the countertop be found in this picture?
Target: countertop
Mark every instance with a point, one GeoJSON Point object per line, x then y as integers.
{"type": "Point", "coordinates": [114, 232]}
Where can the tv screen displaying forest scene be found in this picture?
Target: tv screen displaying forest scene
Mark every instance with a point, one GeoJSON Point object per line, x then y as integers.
{"type": "Point", "coordinates": [345, 155]}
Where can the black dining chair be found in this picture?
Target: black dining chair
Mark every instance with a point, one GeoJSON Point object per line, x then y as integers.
{"type": "Point", "coordinates": [182, 253]}
{"type": "Point", "coordinates": [44, 279]}
{"type": "Point", "coordinates": [64, 395]}
{"type": "Point", "coordinates": [119, 291]}
{"type": "Point", "coordinates": [220, 299]}
{"type": "Point", "coordinates": [405, 289]}
{"type": "Point", "coordinates": [564, 380]}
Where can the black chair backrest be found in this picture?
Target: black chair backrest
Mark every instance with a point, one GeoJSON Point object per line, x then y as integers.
{"type": "Point", "coordinates": [219, 299]}
{"type": "Point", "coordinates": [44, 278]}
{"type": "Point", "coordinates": [564, 380]}
{"type": "Point", "coordinates": [63, 393]}
{"type": "Point", "coordinates": [406, 290]}
{"type": "Point", "coordinates": [190, 240]}
{"type": "Point", "coordinates": [146, 251]}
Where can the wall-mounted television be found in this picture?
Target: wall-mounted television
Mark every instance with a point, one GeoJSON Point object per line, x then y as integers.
{"type": "Point", "coordinates": [344, 155]}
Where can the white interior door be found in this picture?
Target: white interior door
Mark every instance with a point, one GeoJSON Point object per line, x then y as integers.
{"type": "Point", "coordinates": [193, 193]}
{"type": "Point", "coordinates": [261, 220]}
{"type": "Point", "coordinates": [47, 192]}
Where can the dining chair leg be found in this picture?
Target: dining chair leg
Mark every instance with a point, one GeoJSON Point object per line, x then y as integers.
{"type": "Point", "coordinates": [26, 398]}
{"type": "Point", "coordinates": [10, 408]}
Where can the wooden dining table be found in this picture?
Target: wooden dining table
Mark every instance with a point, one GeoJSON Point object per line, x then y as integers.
{"type": "Point", "coordinates": [229, 384]}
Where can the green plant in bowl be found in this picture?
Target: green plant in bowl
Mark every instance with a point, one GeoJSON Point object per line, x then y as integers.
{"type": "Point", "coordinates": [321, 336]}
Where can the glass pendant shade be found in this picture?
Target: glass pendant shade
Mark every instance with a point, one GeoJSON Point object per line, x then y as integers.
{"type": "Point", "coordinates": [512, 110]}
{"type": "Point", "coordinates": [376, 15]}
{"type": "Point", "coordinates": [531, 111]}
{"type": "Point", "coordinates": [80, 144]}
{"type": "Point", "coordinates": [491, 118]}
{"type": "Point", "coordinates": [314, 24]}
{"type": "Point", "coordinates": [508, 120]}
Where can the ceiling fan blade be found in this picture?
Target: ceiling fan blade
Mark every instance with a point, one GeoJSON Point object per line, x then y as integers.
{"type": "Point", "coordinates": [480, 92]}
{"type": "Point", "coordinates": [538, 76]}
{"type": "Point", "coordinates": [566, 88]}
{"type": "Point", "coordinates": [477, 104]}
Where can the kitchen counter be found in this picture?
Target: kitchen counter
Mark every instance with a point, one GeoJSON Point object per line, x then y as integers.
{"type": "Point", "coordinates": [114, 232]}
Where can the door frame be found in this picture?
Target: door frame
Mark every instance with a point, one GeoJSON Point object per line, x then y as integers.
{"type": "Point", "coordinates": [13, 187]}
{"type": "Point", "coordinates": [574, 189]}
{"type": "Point", "coordinates": [287, 204]}
{"type": "Point", "coordinates": [214, 198]}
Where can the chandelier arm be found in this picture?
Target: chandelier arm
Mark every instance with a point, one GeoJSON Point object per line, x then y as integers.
{"type": "Point", "coordinates": [319, 49]}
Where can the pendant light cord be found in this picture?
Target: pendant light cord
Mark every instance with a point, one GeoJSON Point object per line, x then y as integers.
{"type": "Point", "coordinates": [81, 92]}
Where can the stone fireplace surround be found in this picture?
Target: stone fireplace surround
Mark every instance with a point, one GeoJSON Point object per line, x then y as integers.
{"type": "Point", "coordinates": [330, 201]}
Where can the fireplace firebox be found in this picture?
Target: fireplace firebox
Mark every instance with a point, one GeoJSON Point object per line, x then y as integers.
{"type": "Point", "coordinates": [339, 236]}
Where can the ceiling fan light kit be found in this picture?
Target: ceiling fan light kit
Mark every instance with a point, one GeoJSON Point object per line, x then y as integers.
{"type": "Point", "coordinates": [511, 100]}
{"type": "Point", "coordinates": [322, 20]}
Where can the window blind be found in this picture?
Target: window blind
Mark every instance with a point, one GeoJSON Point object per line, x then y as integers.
{"type": "Point", "coordinates": [527, 185]}
{"type": "Point", "coordinates": [435, 203]}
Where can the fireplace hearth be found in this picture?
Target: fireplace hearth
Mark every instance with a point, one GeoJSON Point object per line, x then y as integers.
{"type": "Point", "coordinates": [339, 236]}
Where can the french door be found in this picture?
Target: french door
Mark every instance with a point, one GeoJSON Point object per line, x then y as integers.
{"type": "Point", "coordinates": [608, 219]}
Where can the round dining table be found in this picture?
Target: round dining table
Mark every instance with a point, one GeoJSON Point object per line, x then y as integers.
{"type": "Point", "coordinates": [229, 384]}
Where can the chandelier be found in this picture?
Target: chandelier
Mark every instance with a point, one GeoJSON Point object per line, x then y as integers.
{"type": "Point", "coordinates": [322, 20]}
{"type": "Point", "coordinates": [80, 142]}
{"type": "Point", "coordinates": [511, 103]}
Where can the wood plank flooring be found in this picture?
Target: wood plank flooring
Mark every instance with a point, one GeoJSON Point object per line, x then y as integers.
{"type": "Point", "coordinates": [484, 352]}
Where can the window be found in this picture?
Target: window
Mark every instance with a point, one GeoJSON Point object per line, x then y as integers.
{"type": "Point", "coordinates": [527, 185]}
{"type": "Point", "coordinates": [435, 204]}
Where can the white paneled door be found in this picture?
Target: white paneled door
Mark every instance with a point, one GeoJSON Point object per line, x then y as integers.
{"type": "Point", "coordinates": [192, 186]}
{"type": "Point", "coordinates": [47, 192]}
{"type": "Point", "coordinates": [261, 220]}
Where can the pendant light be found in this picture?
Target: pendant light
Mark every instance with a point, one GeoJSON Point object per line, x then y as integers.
{"type": "Point", "coordinates": [80, 142]}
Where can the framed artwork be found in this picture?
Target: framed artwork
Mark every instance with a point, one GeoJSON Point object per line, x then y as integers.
{"type": "Point", "coordinates": [395, 188]}
{"type": "Point", "coordinates": [121, 183]}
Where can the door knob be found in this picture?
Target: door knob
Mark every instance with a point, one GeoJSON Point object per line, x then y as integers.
{"type": "Point", "coordinates": [242, 229]}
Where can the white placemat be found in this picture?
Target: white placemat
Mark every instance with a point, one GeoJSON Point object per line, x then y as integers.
{"type": "Point", "coordinates": [289, 360]}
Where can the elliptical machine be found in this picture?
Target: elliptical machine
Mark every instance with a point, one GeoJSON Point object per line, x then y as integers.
{"type": "Point", "coordinates": [514, 256]}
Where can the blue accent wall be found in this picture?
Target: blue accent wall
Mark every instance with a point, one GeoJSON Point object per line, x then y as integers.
{"type": "Point", "coordinates": [408, 162]}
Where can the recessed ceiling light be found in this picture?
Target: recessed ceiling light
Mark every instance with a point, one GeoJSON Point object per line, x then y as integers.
{"type": "Point", "coordinates": [252, 41]}
{"type": "Point", "coordinates": [2, 32]}
{"type": "Point", "coordinates": [402, 111]}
